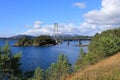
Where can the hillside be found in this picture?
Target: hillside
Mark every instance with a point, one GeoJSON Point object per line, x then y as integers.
{"type": "Point", "coordinates": [107, 69]}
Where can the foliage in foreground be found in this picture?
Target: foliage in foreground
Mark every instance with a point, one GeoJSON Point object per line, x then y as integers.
{"type": "Point", "coordinates": [38, 74]}
{"type": "Point", "coordinates": [105, 44]}
{"type": "Point", "coordinates": [9, 64]}
{"type": "Point", "coordinates": [102, 45]}
{"type": "Point", "coordinates": [106, 69]}
{"type": "Point", "coordinates": [80, 59]}
{"type": "Point", "coordinates": [58, 70]}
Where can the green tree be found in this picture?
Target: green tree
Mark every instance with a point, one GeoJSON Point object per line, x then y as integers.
{"type": "Point", "coordinates": [51, 72]}
{"type": "Point", "coordinates": [9, 64]}
{"type": "Point", "coordinates": [37, 41]}
{"type": "Point", "coordinates": [106, 44]}
{"type": "Point", "coordinates": [102, 45]}
{"type": "Point", "coordinates": [80, 59]}
{"type": "Point", "coordinates": [58, 70]}
{"type": "Point", "coordinates": [38, 74]}
{"type": "Point", "coordinates": [82, 54]}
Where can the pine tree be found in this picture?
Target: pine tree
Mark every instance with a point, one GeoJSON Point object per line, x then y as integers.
{"type": "Point", "coordinates": [82, 54]}
{"type": "Point", "coordinates": [38, 74]}
{"type": "Point", "coordinates": [59, 70]}
{"type": "Point", "coordinates": [9, 64]}
{"type": "Point", "coordinates": [80, 59]}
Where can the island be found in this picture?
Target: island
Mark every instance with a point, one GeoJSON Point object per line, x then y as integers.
{"type": "Point", "coordinates": [37, 41]}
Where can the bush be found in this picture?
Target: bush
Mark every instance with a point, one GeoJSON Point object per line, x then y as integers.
{"type": "Point", "coordinates": [102, 45]}
{"type": "Point", "coordinates": [57, 71]}
{"type": "Point", "coordinates": [38, 74]}
{"type": "Point", "coordinates": [80, 59]}
{"type": "Point", "coordinates": [105, 44]}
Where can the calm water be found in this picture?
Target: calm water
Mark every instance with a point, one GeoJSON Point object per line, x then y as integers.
{"type": "Point", "coordinates": [44, 56]}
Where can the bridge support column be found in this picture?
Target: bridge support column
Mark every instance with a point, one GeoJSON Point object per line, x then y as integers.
{"type": "Point", "coordinates": [68, 43]}
{"type": "Point", "coordinates": [79, 42]}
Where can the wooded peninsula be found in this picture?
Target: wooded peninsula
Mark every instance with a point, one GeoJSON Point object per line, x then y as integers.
{"type": "Point", "coordinates": [37, 41]}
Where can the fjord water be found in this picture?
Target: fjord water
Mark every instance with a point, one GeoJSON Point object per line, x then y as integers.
{"type": "Point", "coordinates": [44, 56]}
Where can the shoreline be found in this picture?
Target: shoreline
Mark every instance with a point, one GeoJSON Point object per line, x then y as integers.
{"type": "Point", "coordinates": [47, 45]}
{"type": "Point", "coordinates": [84, 45]}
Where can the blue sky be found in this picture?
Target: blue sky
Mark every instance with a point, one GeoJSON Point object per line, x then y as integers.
{"type": "Point", "coordinates": [36, 17]}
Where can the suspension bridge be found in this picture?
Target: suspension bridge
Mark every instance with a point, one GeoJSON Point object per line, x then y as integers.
{"type": "Point", "coordinates": [68, 39]}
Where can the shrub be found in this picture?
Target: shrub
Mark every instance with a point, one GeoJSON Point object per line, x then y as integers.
{"type": "Point", "coordinates": [57, 71]}
{"type": "Point", "coordinates": [102, 45]}
{"type": "Point", "coordinates": [105, 44]}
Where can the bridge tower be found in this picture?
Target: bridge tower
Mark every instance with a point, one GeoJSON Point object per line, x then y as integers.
{"type": "Point", "coordinates": [79, 42]}
{"type": "Point", "coordinates": [56, 32]}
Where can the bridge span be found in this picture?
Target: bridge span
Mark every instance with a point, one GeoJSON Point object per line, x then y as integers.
{"type": "Point", "coordinates": [79, 40]}
{"type": "Point", "coordinates": [76, 39]}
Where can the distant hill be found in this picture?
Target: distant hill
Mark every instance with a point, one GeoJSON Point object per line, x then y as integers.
{"type": "Point", "coordinates": [21, 36]}
{"type": "Point", "coordinates": [16, 37]}
{"type": "Point", "coordinates": [3, 38]}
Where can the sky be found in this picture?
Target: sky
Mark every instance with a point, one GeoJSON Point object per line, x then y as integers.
{"type": "Point", "coordinates": [74, 17]}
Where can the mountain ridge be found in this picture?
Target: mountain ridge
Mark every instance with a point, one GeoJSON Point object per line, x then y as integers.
{"type": "Point", "coordinates": [16, 37]}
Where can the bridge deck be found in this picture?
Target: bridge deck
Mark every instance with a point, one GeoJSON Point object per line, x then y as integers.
{"type": "Point", "coordinates": [77, 39]}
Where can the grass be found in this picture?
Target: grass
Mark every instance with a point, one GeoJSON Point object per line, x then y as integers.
{"type": "Point", "coordinates": [107, 69]}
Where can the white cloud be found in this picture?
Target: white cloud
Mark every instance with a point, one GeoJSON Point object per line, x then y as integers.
{"type": "Point", "coordinates": [49, 30]}
{"type": "Point", "coordinates": [79, 4]}
{"type": "Point", "coordinates": [96, 21]}
{"type": "Point", "coordinates": [37, 24]}
{"type": "Point", "coordinates": [66, 29]}
{"type": "Point", "coordinates": [46, 30]}
{"type": "Point", "coordinates": [109, 14]}
{"type": "Point", "coordinates": [107, 17]}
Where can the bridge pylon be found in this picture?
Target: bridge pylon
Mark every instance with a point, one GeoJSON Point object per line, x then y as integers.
{"type": "Point", "coordinates": [56, 32]}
